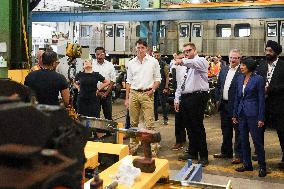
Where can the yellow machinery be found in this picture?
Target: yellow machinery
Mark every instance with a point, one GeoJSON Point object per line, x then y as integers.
{"type": "Point", "coordinates": [18, 75]}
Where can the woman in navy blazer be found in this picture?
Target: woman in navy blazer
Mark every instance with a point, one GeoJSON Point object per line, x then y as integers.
{"type": "Point", "coordinates": [249, 110]}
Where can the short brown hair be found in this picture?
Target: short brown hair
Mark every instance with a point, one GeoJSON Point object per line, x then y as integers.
{"type": "Point", "coordinates": [100, 49]}
{"type": "Point", "coordinates": [142, 42]}
{"type": "Point", "coordinates": [190, 44]}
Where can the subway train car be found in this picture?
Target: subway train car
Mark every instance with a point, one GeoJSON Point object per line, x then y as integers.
{"type": "Point", "coordinates": [212, 37]}
{"type": "Point", "coordinates": [118, 38]}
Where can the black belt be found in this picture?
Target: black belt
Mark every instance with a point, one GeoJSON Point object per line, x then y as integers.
{"type": "Point", "coordinates": [142, 90]}
{"type": "Point", "coordinates": [194, 93]}
{"type": "Point", "coordinates": [225, 101]}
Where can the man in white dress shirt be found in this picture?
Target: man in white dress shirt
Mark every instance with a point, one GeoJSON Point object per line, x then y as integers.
{"type": "Point", "coordinates": [143, 78]}
{"type": "Point", "coordinates": [225, 98]}
{"type": "Point", "coordinates": [178, 73]}
{"type": "Point", "coordinates": [106, 69]}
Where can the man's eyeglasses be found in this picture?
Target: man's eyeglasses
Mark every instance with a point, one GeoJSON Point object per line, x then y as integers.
{"type": "Point", "coordinates": [236, 58]}
{"type": "Point", "coordinates": [187, 51]}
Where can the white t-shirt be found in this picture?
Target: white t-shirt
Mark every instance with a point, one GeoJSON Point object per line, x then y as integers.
{"type": "Point", "coordinates": [106, 70]}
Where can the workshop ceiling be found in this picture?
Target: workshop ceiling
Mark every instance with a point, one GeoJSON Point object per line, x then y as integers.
{"type": "Point", "coordinates": [88, 5]}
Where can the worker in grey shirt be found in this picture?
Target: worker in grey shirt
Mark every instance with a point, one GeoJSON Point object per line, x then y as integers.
{"type": "Point", "coordinates": [191, 98]}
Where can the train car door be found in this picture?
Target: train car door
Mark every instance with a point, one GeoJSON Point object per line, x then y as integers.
{"type": "Point", "coordinates": [184, 35]}
{"type": "Point", "coordinates": [120, 38]}
{"type": "Point", "coordinates": [282, 34]}
{"type": "Point", "coordinates": [196, 35]}
{"type": "Point", "coordinates": [272, 31]}
{"type": "Point", "coordinates": [109, 37]}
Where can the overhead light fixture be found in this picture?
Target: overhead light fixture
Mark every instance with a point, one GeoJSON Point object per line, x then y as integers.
{"type": "Point", "coordinates": [195, 1]}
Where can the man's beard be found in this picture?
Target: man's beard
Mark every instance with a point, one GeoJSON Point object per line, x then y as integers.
{"type": "Point", "coordinates": [100, 61]}
{"type": "Point", "coordinates": [270, 57]}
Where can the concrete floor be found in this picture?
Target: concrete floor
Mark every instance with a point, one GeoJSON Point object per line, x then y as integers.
{"type": "Point", "coordinates": [219, 171]}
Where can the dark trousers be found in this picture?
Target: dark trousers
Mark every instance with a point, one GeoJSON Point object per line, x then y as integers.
{"type": "Point", "coordinates": [192, 107]}
{"type": "Point", "coordinates": [249, 125]}
{"type": "Point", "coordinates": [106, 105]}
{"type": "Point", "coordinates": [179, 129]}
{"type": "Point", "coordinates": [161, 97]}
{"type": "Point", "coordinates": [127, 120]}
{"type": "Point", "coordinates": [281, 140]}
{"type": "Point", "coordinates": [75, 99]}
{"type": "Point", "coordinates": [227, 128]}
{"type": "Point", "coordinates": [88, 107]}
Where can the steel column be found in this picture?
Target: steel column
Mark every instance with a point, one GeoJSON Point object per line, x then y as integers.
{"type": "Point", "coordinates": [5, 30]}
{"type": "Point", "coordinates": [18, 49]}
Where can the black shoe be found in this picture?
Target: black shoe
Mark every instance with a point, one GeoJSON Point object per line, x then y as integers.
{"type": "Point", "coordinates": [185, 157]}
{"type": "Point", "coordinates": [254, 157]}
{"type": "Point", "coordinates": [243, 169]}
{"type": "Point", "coordinates": [203, 162]}
{"type": "Point", "coordinates": [237, 161]}
{"type": "Point", "coordinates": [221, 156]}
{"type": "Point", "coordinates": [262, 172]}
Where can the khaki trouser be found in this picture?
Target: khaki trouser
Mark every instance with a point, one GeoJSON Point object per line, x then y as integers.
{"type": "Point", "coordinates": [140, 102]}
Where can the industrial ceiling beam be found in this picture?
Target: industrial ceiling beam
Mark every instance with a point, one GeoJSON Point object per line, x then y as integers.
{"type": "Point", "coordinates": [258, 12]}
{"type": "Point", "coordinates": [33, 4]}
{"type": "Point", "coordinates": [95, 4]}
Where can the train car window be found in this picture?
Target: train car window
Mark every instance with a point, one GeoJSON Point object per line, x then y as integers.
{"type": "Point", "coordinates": [120, 31]}
{"type": "Point", "coordinates": [85, 30]}
{"type": "Point", "coordinates": [109, 31]}
{"type": "Point", "coordinates": [163, 31]}
{"type": "Point", "coordinates": [282, 30]}
{"type": "Point", "coordinates": [196, 30]}
{"type": "Point", "coordinates": [242, 30]}
{"type": "Point", "coordinates": [223, 30]}
{"type": "Point", "coordinates": [184, 30]}
{"type": "Point", "coordinates": [271, 29]}
{"type": "Point", "coordinates": [138, 31]}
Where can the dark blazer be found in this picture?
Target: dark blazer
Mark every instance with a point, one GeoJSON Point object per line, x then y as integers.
{"type": "Point", "coordinates": [275, 93]}
{"type": "Point", "coordinates": [276, 86]}
{"type": "Point", "coordinates": [252, 102]}
{"type": "Point", "coordinates": [220, 87]}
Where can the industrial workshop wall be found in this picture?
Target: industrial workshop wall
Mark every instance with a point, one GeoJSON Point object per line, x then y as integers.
{"type": "Point", "coordinates": [5, 37]}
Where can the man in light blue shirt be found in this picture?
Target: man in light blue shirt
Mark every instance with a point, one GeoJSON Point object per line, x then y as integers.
{"type": "Point", "coordinates": [191, 99]}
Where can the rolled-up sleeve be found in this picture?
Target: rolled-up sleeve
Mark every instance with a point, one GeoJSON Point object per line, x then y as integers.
{"type": "Point", "coordinates": [129, 76]}
{"type": "Point", "coordinates": [197, 63]}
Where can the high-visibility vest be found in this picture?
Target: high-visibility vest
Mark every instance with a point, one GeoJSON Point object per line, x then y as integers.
{"type": "Point", "coordinates": [215, 69]}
